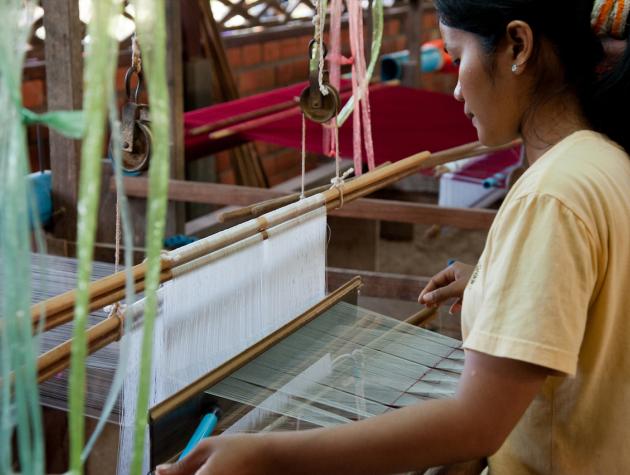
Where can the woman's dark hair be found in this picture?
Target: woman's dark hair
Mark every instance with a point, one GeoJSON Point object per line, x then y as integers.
{"type": "Point", "coordinates": [566, 25]}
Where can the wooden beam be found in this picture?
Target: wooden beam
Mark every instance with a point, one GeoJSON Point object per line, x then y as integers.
{"type": "Point", "coordinates": [199, 192]}
{"type": "Point", "coordinates": [64, 81]}
{"type": "Point", "coordinates": [210, 223]}
{"type": "Point", "coordinates": [364, 208]}
{"type": "Point", "coordinates": [379, 284]}
{"type": "Point", "coordinates": [417, 213]}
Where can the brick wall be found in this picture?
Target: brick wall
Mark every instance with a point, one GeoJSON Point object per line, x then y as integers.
{"type": "Point", "coordinates": [258, 66]}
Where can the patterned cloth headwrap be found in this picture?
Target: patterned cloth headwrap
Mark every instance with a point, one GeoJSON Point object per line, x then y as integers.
{"type": "Point", "coordinates": [610, 18]}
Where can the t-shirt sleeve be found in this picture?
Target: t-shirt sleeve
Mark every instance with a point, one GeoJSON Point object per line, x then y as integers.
{"type": "Point", "coordinates": [538, 276]}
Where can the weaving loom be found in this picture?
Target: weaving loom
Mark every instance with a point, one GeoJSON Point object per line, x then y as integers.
{"type": "Point", "coordinates": [401, 364]}
{"type": "Point", "coordinates": [342, 363]}
{"type": "Point", "coordinates": [226, 293]}
{"type": "Point", "coordinates": [52, 275]}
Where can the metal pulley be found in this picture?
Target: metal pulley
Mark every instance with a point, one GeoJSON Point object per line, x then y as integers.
{"type": "Point", "coordinates": [135, 131]}
{"type": "Point", "coordinates": [316, 105]}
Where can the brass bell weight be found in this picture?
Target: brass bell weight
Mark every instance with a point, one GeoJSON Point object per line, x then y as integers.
{"type": "Point", "coordinates": [315, 104]}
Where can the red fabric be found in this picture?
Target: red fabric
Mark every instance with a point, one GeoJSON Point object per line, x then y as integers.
{"type": "Point", "coordinates": [404, 121]}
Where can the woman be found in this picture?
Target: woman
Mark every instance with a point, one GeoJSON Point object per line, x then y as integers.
{"type": "Point", "coordinates": [546, 384]}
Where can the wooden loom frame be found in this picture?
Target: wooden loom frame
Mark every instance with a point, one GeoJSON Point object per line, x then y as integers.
{"type": "Point", "coordinates": [111, 289]}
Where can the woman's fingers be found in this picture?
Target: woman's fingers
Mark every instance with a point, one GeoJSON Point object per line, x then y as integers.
{"type": "Point", "coordinates": [446, 284]}
{"type": "Point", "coordinates": [189, 464]}
{"type": "Point", "coordinates": [441, 279]}
{"type": "Point", "coordinates": [441, 294]}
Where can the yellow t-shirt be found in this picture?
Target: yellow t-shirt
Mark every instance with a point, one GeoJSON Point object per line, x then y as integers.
{"type": "Point", "coordinates": [552, 288]}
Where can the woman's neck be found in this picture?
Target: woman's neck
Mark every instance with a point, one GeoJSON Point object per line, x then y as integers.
{"type": "Point", "coordinates": [552, 122]}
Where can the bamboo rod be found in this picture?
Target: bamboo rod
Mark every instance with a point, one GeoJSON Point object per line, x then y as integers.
{"type": "Point", "coordinates": [266, 206]}
{"type": "Point", "coordinates": [251, 353]}
{"type": "Point", "coordinates": [115, 293]}
{"type": "Point", "coordinates": [98, 288]}
{"type": "Point", "coordinates": [423, 316]}
{"type": "Point", "coordinates": [58, 358]}
{"type": "Point", "coordinates": [107, 291]}
{"type": "Point", "coordinates": [438, 158]}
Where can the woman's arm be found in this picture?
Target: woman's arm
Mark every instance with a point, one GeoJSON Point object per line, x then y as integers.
{"type": "Point", "coordinates": [492, 396]}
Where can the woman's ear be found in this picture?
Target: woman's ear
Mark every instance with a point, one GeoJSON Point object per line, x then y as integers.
{"type": "Point", "coordinates": [520, 40]}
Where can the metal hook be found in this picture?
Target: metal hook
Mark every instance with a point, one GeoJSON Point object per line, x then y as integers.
{"type": "Point", "coordinates": [311, 48]}
{"type": "Point", "coordinates": [128, 77]}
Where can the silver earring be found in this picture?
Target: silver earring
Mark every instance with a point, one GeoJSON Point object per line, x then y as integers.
{"type": "Point", "coordinates": [514, 68]}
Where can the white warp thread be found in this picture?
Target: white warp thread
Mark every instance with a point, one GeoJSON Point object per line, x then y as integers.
{"type": "Point", "coordinates": [217, 310]}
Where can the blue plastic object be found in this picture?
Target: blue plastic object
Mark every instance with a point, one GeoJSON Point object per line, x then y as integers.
{"type": "Point", "coordinates": [494, 181]}
{"type": "Point", "coordinates": [40, 184]}
{"type": "Point", "coordinates": [178, 240]}
{"type": "Point", "coordinates": [432, 60]}
{"type": "Point", "coordinates": [204, 429]}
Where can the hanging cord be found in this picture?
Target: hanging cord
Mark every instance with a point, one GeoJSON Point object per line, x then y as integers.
{"type": "Point", "coordinates": [136, 57]}
{"type": "Point", "coordinates": [319, 22]}
{"type": "Point", "coordinates": [302, 195]}
{"type": "Point", "coordinates": [338, 181]}
{"type": "Point", "coordinates": [116, 309]}
{"type": "Point", "coordinates": [118, 236]}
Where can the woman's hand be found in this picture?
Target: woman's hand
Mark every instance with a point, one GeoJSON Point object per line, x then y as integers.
{"type": "Point", "coordinates": [447, 284]}
{"type": "Point", "coordinates": [226, 455]}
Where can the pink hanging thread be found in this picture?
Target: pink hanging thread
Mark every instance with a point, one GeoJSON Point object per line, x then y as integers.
{"type": "Point", "coordinates": [362, 126]}
{"type": "Point", "coordinates": [365, 100]}
{"type": "Point", "coordinates": [335, 60]}
{"type": "Point", "coordinates": [354, 9]}
{"type": "Point", "coordinates": [361, 122]}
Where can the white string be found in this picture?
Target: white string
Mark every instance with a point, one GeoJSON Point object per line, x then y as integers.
{"type": "Point", "coordinates": [319, 21]}
{"type": "Point", "coordinates": [213, 312]}
{"type": "Point", "coordinates": [118, 234]}
{"type": "Point", "coordinates": [359, 364]}
{"type": "Point", "coordinates": [322, 24]}
{"type": "Point", "coordinates": [336, 138]}
{"type": "Point", "coordinates": [339, 181]}
{"type": "Point", "coordinates": [136, 57]}
{"type": "Point", "coordinates": [302, 195]}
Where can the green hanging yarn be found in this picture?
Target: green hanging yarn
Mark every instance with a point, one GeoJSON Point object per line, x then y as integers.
{"type": "Point", "coordinates": [19, 402]}
{"type": "Point", "coordinates": [68, 123]}
{"type": "Point", "coordinates": [124, 346]}
{"type": "Point", "coordinates": [151, 31]}
{"type": "Point", "coordinates": [98, 71]}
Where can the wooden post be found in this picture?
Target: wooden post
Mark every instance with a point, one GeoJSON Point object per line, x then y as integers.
{"type": "Point", "coordinates": [411, 69]}
{"type": "Point", "coordinates": [176, 211]}
{"type": "Point", "coordinates": [64, 84]}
